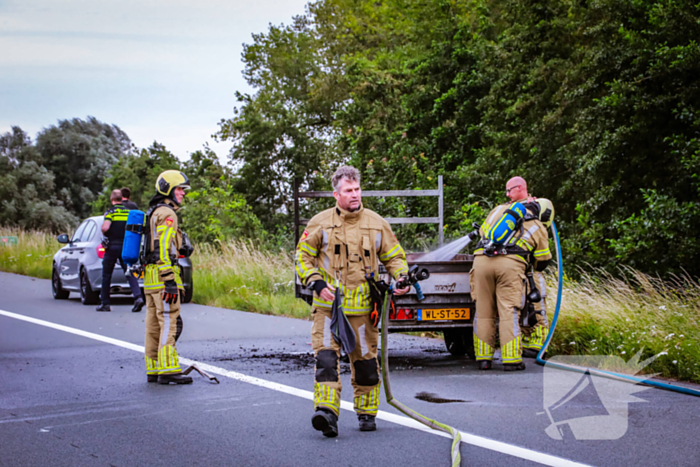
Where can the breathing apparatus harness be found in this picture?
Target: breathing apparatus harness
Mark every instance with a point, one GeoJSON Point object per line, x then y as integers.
{"type": "Point", "coordinates": [499, 238]}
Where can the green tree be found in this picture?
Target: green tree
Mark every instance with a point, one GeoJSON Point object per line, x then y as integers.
{"type": "Point", "coordinates": [217, 213]}
{"type": "Point", "coordinates": [28, 194]}
{"type": "Point", "coordinates": [594, 103]}
{"type": "Point", "coordinates": [137, 170]}
{"type": "Point", "coordinates": [79, 153]}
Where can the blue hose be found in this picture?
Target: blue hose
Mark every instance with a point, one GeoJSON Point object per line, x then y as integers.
{"type": "Point", "coordinates": [605, 374]}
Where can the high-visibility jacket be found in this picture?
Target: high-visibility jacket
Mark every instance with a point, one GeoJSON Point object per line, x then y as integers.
{"type": "Point", "coordinates": [530, 241]}
{"type": "Point", "coordinates": [165, 241]}
{"type": "Point", "coordinates": [117, 216]}
{"type": "Point", "coordinates": [341, 247]}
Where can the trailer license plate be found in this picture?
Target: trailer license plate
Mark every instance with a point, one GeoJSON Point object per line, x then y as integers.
{"type": "Point", "coordinates": [443, 314]}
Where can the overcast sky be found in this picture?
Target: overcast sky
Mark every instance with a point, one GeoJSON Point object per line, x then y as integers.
{"type": "Point", "coordinates": [163, 70]}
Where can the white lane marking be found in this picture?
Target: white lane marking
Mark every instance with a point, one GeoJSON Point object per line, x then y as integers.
{"type": "Point", "coordinates": [480, 441]}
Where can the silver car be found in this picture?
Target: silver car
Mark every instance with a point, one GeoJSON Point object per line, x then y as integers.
{"type": "Point", "coordinates": [77, 267]}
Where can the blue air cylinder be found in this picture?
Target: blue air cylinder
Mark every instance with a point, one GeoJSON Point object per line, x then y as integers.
{"type": "Point", "coordinates": [132, 237]}
{"type": "Point", "coordinates": [505, 226]}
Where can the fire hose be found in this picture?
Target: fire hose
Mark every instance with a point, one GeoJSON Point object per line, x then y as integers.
{"type": "Point", "coordinates": [429, 422]}
{"type": "Point", "coordinates": [593, 371]}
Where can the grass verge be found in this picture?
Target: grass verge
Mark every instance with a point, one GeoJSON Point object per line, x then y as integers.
{"type": "Point", "coordinates": [31, 256]}
{"type": "Point", "coordinates": [600, 314]}
{"type": "Point", "coordinates": [605, 315]}
{"type": "Point", "coordinates": [242, 277]}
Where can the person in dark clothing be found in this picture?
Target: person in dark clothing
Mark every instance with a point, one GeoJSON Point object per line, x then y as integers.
{"type": "Point", "coordinates": [114, 227]}
{"type": "Point", "coordinates": [126, 199]}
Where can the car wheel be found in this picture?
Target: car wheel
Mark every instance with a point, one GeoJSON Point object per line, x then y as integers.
{"type": "Point", "coordinates": [87, 295]}
{"type": "Point", "coordinates": [460, 342]}
{"type": "Point", "coordinates": [189, 292]}
{"type": "Point", "coordinates": [56, 289]}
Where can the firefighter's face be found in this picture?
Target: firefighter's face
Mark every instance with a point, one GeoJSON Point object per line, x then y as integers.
{"type": "Point", "coordinates": [516, 189]}
{"type": "Point", "coordinates": [179, 194]}
{"type": "Point", "coordinates": [349, 195]}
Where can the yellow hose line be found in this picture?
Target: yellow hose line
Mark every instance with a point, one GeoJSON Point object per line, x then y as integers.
{"type": "Point", "coordinates": [429, 422]}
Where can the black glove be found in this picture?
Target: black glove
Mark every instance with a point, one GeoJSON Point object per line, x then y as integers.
{"type": "Point", "coordinates": [187, 249]}
{"type": "Point", "coordinates": [319, 285]}
{"type": "Point", "coordinates": [170, 293]}
{"type": "Point", "coordinates": [541, 265]}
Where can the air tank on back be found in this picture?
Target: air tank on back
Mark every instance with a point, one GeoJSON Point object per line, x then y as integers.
{"type": "Point", "coordinates": [132, 237]}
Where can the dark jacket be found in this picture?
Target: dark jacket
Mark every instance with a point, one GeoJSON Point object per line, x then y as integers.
{"type": "Point", "coordinates": [130, 205]}
{"type": "Point", "coordinates": [117, 215]}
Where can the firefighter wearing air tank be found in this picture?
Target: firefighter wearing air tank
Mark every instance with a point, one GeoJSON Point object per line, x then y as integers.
{"type": "Point", "coordinates": [338, 248]}
{"type": "Point", "coordinates": [534, 336]}
{"type": "Point", "coordinates": [162, 283]}
{"type": "Point", "coordinates": [512, 239]}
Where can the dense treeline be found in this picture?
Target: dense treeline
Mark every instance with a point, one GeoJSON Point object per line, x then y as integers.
{"type": "Point", "coordinates": [593, 102]}
{"type": "Point", "coordinates": [68, 173]}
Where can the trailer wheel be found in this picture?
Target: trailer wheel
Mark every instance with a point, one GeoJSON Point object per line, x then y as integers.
{"type": "Point", "coordinates": [460, 342]}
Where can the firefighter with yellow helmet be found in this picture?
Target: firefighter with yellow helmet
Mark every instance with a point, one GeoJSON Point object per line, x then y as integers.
{"type": "Point", "coordinates": [162, 283]}
{"type": "Point", "coordinates": [498, 278]}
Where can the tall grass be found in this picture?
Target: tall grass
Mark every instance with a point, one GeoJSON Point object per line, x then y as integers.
{"type": "Point", "coordinates": [240, 276]}
{"type": "Point", "coordinates": [33, 254]}
{"type": "Point", "coordinates": [606, 315]}
{"type": "Point", "coordinates": [600, 314]}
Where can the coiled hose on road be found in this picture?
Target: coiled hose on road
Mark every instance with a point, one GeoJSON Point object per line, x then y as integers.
{"type": "Point", "coordinates": [592, 371]}
{"type": "Point", "coordinates": [429, 422]}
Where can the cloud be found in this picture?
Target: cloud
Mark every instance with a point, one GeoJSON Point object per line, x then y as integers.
{"type": "Point", "coordinates": [155, 64]}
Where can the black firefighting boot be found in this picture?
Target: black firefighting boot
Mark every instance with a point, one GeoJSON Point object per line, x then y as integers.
{"type": "Point", "coordinates": [367, 422]}
{"type": "Point", "coordinates": [513, 366]}
{"type": "Point", "coordinates": [326, 422]}
{"type": "Point", "coordinates": [138, 305]}
{"type": "Point", "coordinates": [485, 364]}
{"type": "Point", "coordinates": [177, 378]}
{"type": "Point", "coordinates": [103, 307]}
{"type": "Point", "coordinates": [152, 378]}
{"type": "Point", "coordinates": [530, 353]}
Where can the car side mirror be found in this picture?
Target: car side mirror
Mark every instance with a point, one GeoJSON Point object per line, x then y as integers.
{"type": "Point", "coordinates": [63, 238]}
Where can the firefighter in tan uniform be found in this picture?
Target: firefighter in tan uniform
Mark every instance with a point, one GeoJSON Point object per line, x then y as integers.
{"type": "Point", "coordinates": [499, 282]}
{"type": "Point", "coordinates": [338, 248]}
{"type": "Point", "coordinates": [162, 283]}
{"type": "Point", "coordinates": [534, 337]}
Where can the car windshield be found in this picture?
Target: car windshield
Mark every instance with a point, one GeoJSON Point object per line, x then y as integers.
{"type": "Point", "coordinates": [79, 233]}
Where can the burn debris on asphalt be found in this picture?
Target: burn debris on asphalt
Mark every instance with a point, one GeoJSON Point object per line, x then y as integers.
{"type": "Point", "coordinates": [434, 398]}
{"type": "Point", "coordinates": [283, 361]}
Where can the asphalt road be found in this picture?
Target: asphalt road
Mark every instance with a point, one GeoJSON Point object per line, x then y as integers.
{"type": "Point", "coordinates": [72, 399]}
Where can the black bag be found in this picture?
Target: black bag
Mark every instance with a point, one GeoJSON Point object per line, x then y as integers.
{"type": "Point", "coordinates": [342, 332]}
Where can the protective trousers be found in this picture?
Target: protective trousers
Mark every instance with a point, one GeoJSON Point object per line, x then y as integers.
{"type": "Point", "coordinates": [498, 288]}
{"type": "Point", "coordinates": [534, 337]}
{"type": "Point", "coordinates": [363, 364]}
{"type": "Point", "coordinates": [163, 328]}
{"type": "Point", "coordinates": [113, 253]}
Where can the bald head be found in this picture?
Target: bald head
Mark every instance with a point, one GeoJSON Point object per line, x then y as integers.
{"type": "Point", "coordinates": [116, 196]}
{"type": "Point", "coordinates": [516, 189]}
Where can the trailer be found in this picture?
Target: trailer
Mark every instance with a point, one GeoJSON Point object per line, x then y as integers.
{"type": "Point", "coordinates": [447, 308]}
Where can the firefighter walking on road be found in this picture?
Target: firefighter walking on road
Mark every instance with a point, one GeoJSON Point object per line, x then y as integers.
{"type": "Point", "coordinates": [339, 247]}
{"type": "Point", "coordinates": [162, 283]}
{"type": "Point", "coordinates": [498, 279]}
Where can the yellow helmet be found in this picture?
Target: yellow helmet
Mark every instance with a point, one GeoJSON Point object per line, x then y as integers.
{"type": "Point", "coordinates": [169, 180]}
{"type": "Point", "coordinates": [546, 211]}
